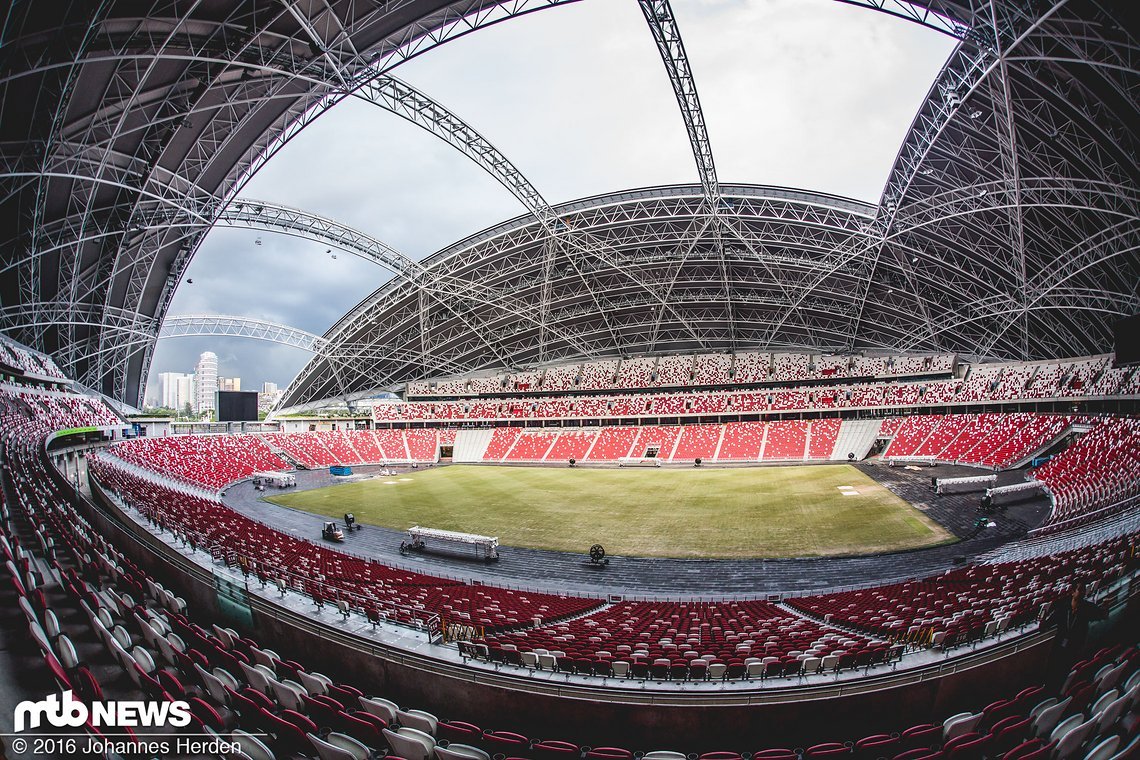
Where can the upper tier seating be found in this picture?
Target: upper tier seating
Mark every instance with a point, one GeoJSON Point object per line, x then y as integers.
{"type": "Point", "coordinates": [674, 371]}
{"type": "Point", "coordinates": [712, 369]}
{"type": "Point", "coordinates": [1111, 380]}
{"type": "Point", "coordinates": [1014, 381]}
{"type": "Point", "coordinates": [524, 381]}
{"type": "Point", "coordinates": [910, 365]}
{"type": "Point", "coordinates": [747, 402]}
{"type": "Point", "coordinates": [561, 378]}
{"type": "Point", "coordinates": [869, 366]}
{"type": "Point", "coordinates": [832, 366]}
{"type": "Point", "coordinates": [637, 373]}
{"type": "Point", "coordinates": [944, 392]}
{"type": "Point", "coordinates": [1077, 377]}
{"type": "Point", "coordinates": [783, 400]}
{"type": "Point", "coordinates": [28, 362]}
{"type": "Point", "coordinates": [598, 375]}
{"type": "Point", "coordinates": [980, 383]}
{"type": "Point", "coordinates": [703, 403]}
{"type": "Point", "coordinates": [941, 363]}
{"type": "Point", "coordinates": [790, 367]}
{"type": "Point", "coordinates": [685, 370]}
{"type": "Point", "coordinates": [751, 368]}
{"type": "Point", "coordinates": [1131, 385]}
{"type": "Point", "coordinates": [986, 382]}
{"type": "Point", "coordinates": [450, 388]}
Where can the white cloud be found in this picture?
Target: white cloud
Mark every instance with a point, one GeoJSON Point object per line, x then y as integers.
{"type": "Point", "coordinates": [812, 94]}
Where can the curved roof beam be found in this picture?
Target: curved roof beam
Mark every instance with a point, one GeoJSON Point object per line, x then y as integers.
{"type": "Point", "coordinates": [275, 217]}
{"type": "Point", "coordinates": [409, 103]}
{"type": "Point", "coordinates": [768, 228]}
{"type": "Point", "coordinates": [663, 24]}
{"type": "Point", "coordinates": [444, 290]}
{"type": "Point", "coordinates": [189, 325]}
{"type": "Point", "coordinates": [415, 39]}
{"type": "Point", "coordinates": [916, 13]}
{"type": "Point", "coordinates": [322, 72]}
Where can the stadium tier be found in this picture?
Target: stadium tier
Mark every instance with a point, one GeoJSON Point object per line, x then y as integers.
{"type": "Point", "coordinates": [746, 472]}
{"type": "Point", "coordinates": [34, 364]}
{"type": "Point", "coordinates": [232, 683]}
{"type": "Point", "coordinates": [996, 441]}
{"type": "Point", "coordinates": [968, 604]}
{"type": "Point", "coordinates": [932, 374]}
{"type": "Point", "coordinates": [1084, 477]}
{"type": "Point", "coordinates": [128, 635]}
{"type": "Point", "coordinates": [1078, 378]}
{"type": "Point", "coordinates": [681, 641]}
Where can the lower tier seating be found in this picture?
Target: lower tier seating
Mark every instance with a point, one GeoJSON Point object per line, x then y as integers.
{"type": "Point", "coordinates": [105, 629]}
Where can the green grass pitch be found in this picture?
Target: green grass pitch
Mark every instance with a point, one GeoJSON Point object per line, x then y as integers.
{"type": "Point", "coordinates": [792, 511]}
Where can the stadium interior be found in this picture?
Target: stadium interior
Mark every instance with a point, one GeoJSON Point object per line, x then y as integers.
{"type": "Point", "coordinates": [692, 472]}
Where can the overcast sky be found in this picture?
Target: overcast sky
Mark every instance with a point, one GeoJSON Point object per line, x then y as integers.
{"type": "Point", "coordinates": [814, 94]}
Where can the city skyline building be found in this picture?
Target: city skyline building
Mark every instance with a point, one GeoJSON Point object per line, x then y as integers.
{"type": "Point", "coordinates": [206, 381]}
{"type": "Point", "coordinates": [176, 389]}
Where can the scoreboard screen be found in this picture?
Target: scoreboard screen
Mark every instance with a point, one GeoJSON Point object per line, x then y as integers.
{"type": "Point", "coordinates": [236, 406]}
{"type": "Point", "coordinates": [1126, 335]}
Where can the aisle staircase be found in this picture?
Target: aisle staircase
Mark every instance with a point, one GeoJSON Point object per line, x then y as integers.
{"type": "Point", "coordinates": [855, 437]}
{"type": "Point", "coordinates": [470, 445]}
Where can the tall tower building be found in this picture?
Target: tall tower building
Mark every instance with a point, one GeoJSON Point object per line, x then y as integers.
{"type": "Point", "coordinates": [206, 381]}
{"type": "Point", "coordinates": [176, 389]}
